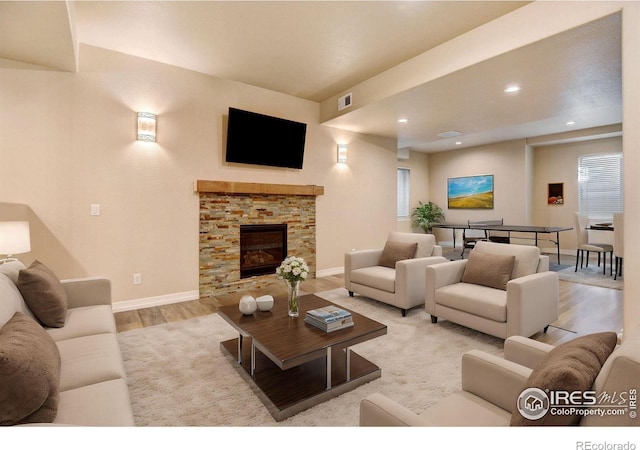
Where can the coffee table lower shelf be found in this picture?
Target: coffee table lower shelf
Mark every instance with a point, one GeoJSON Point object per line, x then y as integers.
{"type": "Point", "coordinates": [288, 392]}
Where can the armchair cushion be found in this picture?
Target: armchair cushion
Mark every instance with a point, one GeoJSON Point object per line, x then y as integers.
{"type": "Point", "coordinates": [44, 294]}
{"type": "Point", "coordinates": [572, 366]}
{"type": "Point", "coordinates": [377, 277]}
{"type": "Point", "coordinates": [397, 251]}
{"type": "Point", "coordinates": [527, 256]}
{"type": "Point", "coordinates": [488, 269]}
{"type": "Point", "coordinates": [481, 301]}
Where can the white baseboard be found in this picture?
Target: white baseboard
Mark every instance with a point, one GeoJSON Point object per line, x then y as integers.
{"type": "Point", "coordinates": [563, 251]}
{"type": "Point", "coordinates": [329, 272]}
{"type": "Point", "coordinates": [150, 302]}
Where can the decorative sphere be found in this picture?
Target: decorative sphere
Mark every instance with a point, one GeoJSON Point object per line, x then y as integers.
{"type": "Point", "coordinates": [247, 305]}
{"type": "Point", "coordinates": [265, 302]}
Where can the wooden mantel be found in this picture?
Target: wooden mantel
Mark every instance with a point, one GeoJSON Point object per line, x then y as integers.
{"type": "Point", "coordinates": [233, 187]}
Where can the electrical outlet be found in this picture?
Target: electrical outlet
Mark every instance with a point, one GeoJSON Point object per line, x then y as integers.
{"type": "Point", "coordinates": [137, 278]}
{"type": "Point", "coordinates": [95, 209]}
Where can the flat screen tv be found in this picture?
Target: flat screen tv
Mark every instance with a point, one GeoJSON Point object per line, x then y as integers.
{"type": "Point", "coordinates": [254, 138]}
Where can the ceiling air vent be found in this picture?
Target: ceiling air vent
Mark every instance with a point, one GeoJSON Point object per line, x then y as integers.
{"type": "Point", "coordinates": [450, 134]}
{"type": "Point", "coordinates": [344, 101]}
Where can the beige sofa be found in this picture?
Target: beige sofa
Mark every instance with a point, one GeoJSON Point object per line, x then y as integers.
{"type": "Point", "coordinates": [397, 282]}
{"type": "Point", "coordinates": [465, 291]}
{"type": "Point", "coordinates": [92, 386]}
{"type": "Point", "coordinates": [491, 386]}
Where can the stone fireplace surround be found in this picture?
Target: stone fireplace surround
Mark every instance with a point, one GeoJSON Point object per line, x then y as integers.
{"type": "Point", "coordinates": [224, 206]}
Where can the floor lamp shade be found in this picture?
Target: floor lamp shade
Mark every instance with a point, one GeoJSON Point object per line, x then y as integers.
{"type": "Point", "coordinates": [14, 238]}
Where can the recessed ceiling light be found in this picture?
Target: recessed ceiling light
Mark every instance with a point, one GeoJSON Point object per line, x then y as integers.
{"type": "Point", "coordinates": [458, 142]}
{"type": "Point", "coordinates": [571, 122]}
{"type": "Point", "coordinates": [512, 89]}
{"type": "Point", "coordinates": [403, 120]}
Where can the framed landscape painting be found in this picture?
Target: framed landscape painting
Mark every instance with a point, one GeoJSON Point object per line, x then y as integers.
{"type": "Point", "coordinates": [475, 192]}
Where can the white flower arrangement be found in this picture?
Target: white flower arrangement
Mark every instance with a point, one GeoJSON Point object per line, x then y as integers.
{"type": "Point", "coordinates": [293, 269]}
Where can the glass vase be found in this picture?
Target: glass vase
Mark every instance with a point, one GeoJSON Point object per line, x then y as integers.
{"type": "Point", "coordinates": [293, 291]}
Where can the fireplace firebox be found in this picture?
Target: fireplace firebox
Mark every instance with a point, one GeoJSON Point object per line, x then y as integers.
{"type": "Point", "coordinates": [262, 248]}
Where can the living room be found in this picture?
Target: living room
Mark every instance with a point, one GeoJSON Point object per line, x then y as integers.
{"type": "Point", "coordinates": [68, 142]}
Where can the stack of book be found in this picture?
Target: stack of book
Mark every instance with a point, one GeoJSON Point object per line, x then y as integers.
{"type": "Point", "coordinates": [329, 318]}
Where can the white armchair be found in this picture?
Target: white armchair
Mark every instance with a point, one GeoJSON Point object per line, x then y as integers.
{"type": "Point", "coordinates": [491, 385]}
{"type": "Point", "coordinates": [388, 276]}
{"type": "Point", "coordinates": [487, 294]}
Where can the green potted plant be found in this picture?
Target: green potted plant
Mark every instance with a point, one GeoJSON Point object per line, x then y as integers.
{"type": "Point", "coordinates": [425, 214]}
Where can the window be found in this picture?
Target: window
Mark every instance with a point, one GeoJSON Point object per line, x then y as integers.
{"type": "Point", "coordinates": [600, 185]}
{"type": "Point", "coordinates": [403, 193]}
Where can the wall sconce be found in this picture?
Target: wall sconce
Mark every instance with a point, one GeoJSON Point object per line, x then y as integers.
{"type": "Point", "coordinates": [342, 153]}
{"type": "Point", "coordinates": [146, 127]}
{"type": "Point", "coordinates": [14, 239]}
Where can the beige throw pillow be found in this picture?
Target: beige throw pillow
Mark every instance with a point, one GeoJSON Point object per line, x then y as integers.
{"type": "Point", "coordinates": [44, 294]}
{"type": "Point", "coordinates": [29, 372]}
{"type": "Point", "coordinates": [572, 366]}
{"type": "Point", "coordinates": [488, 269]}
{"type": "Point", "coordinates": [397, 251]}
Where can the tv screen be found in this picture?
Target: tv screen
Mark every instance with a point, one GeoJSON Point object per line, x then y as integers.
{"type": "Point", "coordinates": [254, 138]}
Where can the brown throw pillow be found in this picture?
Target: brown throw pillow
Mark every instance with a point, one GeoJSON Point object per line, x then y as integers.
{"type": "Point", "coordinates": [44, 294]}
{"type": "Point", "coordinates": [572, 366]}
{"type": "Point", "coordinates": [488, 269]}
{"type": "Point", "coordinates": [29, 372]}
{"type": "Point", "coordinates": [397, 251]}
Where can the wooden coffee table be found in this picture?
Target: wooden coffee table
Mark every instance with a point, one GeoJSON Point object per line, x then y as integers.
{"type": "Point", "coordinates": [292, 365]}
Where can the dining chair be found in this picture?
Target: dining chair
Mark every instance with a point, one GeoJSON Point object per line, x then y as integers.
{"type": "Point", "coordinates": [583, 244]}
{"type": "Point", "coordinates": [618, 243]}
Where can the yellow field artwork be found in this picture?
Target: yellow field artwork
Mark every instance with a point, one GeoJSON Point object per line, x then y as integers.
{"type": "Point", "coordinates": [474, 192]}
{"type": "Point", "coordinates": [477, 201]}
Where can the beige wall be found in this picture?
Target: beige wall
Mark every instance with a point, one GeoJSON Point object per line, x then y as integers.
{"type": "Point", "coordinates": [506, 161]}
{"type": "Point", "coordinates": [631, 145]}
{"type": "Point", "coordinates": [521, 177]}
{"type": "Point", "coordinates": [68, 141]}
{"type": "Point", "coordinates": [418, 164]}
{"type": "Point", "coordinates": [559, 164]}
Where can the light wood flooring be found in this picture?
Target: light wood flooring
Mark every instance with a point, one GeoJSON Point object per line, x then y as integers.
{"type": "Point", "coordinates": [584, 309]}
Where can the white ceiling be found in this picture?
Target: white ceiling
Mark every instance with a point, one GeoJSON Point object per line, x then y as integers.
{"type": "Point", "coordinates": [315, 50]}
{"type": "Point", "coordinates": [574, 76]}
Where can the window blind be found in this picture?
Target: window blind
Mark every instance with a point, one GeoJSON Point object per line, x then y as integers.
{"type": "Point", "coordinates": [600, 185]}
{"type": "Point", "coordinates": [403, 192]}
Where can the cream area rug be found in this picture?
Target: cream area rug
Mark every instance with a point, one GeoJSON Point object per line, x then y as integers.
{"type": "Point", "coordinates": [178, 376]}
{"type": "Point", "coordinates": [591, 275]}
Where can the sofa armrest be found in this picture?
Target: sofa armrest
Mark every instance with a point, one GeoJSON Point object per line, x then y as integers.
{"type": "Point", "coordinates": [493, 379]}
{"type": "Point", "coordinates": [410, 283]}
{"type": "Point", "coordinates": [358, 259]}
{"type": "Point", "coordinates": [524, 351]}
{"type": "Point", "coordinates": [437, 250]}
{"type": "Point", "coordinates": [377, 410]}
{"type": "Point", "coordinates": [437, 276]}
{"type": "Point", "coordinates": [543, 263]}
{"type": "Point", "coordinates": [532, 303]}
{"type": "Point", "coordinates": [87, 292]}
{"type": "Point", "coordinates": [361, 258]}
